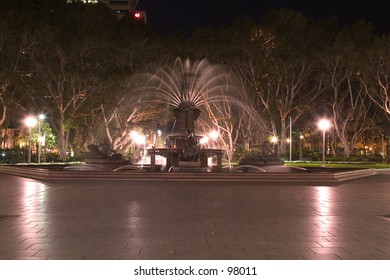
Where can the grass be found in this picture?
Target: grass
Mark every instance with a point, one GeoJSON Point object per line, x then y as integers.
{"type": "Point", "coordinates": [339, 164]}
{"type": "Point", "coordinates": [50, 163]}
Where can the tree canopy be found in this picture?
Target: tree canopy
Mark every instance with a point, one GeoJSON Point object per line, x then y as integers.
{"type": "Point", "coordinates": [73, 61]}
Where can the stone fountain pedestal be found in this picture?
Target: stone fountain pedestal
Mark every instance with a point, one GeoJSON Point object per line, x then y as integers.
{"type": "Point", "coordinates": [190, 166]}
{"type": "Point", "coordinates": [186, 166]}
{"type": "Point", "coordinates": [184, 152]}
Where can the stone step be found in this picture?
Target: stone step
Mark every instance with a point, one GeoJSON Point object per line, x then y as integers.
{"type": "Point", "coordinates": [272, 177]}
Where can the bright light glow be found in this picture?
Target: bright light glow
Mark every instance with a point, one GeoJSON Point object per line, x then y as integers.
{"type": "Point", "coordinates": [203, 140]}
{"type": "Point", "coordinates": [159, 133]}
{"type": "Point", "coordinates": [288, 140]}
{"type": "Point", "coordinates": [214, 135]}
{"type": "Point", "coordinates": [301, 136]}
{"type": "Point", "coordinates": [137, 15]}
{"type": "Point", "coordinates": [274, 139]}
{"type": "Point", "coordinates": [41, 117]}
{"type": "Point", "coordinates": [31, 121]}
{"type": "Point", "coordinates": [43, 140]}
{"type": "Point", "coordinates": [141, 140]}
{"type": "Point", "coordinates": [324, 124]}
{"type": "Point", "coordinates": [323, 200]}
{"type": "Point", "coordinates": [134, 134]}
{"type": "Point", "coordinates": [138, 138]}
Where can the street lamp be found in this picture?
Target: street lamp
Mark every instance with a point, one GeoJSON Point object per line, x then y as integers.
{"type": "Point", "coordinates": [323, 125]}
{"type": "Point", "coordinates": [139, 139]}
{"type": "Point", "coordinates": [274, 140]}
{"type": "Point", "coordinates": [300, 147]}
{"type": "Point", "coordinates": [204, 140]}
{"type": "Point", "coordinates": [30, 122]}
{"type": "Point", "coordinates": [289, 141]}
{"type": "Point", "coordinates": [41, 117]}
{"type": "Point", "coordinates": [213, 135]}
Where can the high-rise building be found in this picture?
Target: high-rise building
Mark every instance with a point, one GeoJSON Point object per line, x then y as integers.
{"type": "Point", "coordinates": [119, 8]}
{"type": "Point", "coordinates": [85, 1]}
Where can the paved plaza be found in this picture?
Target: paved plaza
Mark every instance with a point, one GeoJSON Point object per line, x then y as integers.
{"type": "Point", "coordinates": [194, 220]}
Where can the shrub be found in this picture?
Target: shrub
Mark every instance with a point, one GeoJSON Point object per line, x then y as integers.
{"type": "Point", "coordinates": [52, 157]}
{"type": "Point", "coordinates": [375, 158]}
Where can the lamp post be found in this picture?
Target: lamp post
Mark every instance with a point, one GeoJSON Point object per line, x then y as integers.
{"type": "Point", "coordinates": [41, 117]}
{"type": "Point", "coordinates": [300, 147]}
{"type": "Point", "coordinates": [30, 122]}
{"type": "Point", "coordinates": [323, 125]}
{"type": "Point", "coordinates": [290, 142]}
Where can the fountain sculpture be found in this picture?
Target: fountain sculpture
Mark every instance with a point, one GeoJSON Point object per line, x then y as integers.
{"type": "Point", "coordinates": [185, 152]}
{"type": "Point", "coordinates": [191, 88]}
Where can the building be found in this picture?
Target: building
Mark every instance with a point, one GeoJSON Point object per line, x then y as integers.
{"type": "Point", "coordinates": [7, 138]}
{"type": "Point", "coordinates": [119, 8]}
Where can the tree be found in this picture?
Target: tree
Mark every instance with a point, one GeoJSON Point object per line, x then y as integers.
{"type": "Point", "coordinates": [14, 42]}
{"type": "Point", "coordinates": [375, 77]}
{"type": "Point", "coordinates": [234, 118]}
{"type": "Point", "coordinates": [65, 86]}
{"type": "Point", "coordinates": [71, 68]}
{"type": "Point", "coordinates": [125, 117]}
{"type": "Point", "coordinates": [3, 105]}
{"type": "Point", "coordinates": [279, 69]}
{"type": "Point", "coordinates": [351, 107]}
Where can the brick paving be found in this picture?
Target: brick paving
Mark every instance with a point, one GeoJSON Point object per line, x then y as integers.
{"type": "Point", "coordinates": [69, 220]}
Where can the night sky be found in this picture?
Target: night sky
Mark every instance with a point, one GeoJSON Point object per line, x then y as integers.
{"type": "Point", "coordinates": [186, 15]}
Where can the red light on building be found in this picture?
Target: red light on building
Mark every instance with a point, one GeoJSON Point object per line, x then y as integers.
{"type": "Point", "coordinates": [139, 15]}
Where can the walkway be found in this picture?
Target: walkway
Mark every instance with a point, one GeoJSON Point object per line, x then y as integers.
{"type": "Point", "coordinates": [202, 220]}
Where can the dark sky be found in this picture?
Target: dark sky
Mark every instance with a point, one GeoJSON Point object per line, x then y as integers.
{"type": "Point", "coordinates": [186, 15]}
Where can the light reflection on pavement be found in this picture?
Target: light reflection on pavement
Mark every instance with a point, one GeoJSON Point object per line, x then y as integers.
{"type": "Point", "coordinates": [194, 220]}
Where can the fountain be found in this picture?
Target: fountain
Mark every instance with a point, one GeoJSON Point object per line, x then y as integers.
{"type": "Point", "coordinates": [184, 151]}
{"type": "Point", "coordinates": [189, 88]}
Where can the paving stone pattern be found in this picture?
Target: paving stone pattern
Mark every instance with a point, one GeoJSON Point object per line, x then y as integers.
{"type": "Point", "coordinates": [69, 220]}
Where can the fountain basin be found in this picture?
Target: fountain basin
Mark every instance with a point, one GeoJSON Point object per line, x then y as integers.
{"type": "Point", "coordinates": [173, 162]}
{"type": "Point", "coordinates": [258, 178]}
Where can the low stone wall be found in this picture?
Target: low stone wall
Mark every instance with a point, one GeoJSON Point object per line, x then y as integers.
{"type": "Point", "coordinates": [270, 177]}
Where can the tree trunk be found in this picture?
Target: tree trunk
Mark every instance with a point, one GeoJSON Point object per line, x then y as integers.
{"type": "Point", "coordinates": [63, 142]}
{"type": "Point", "coordinates": [347, 151]}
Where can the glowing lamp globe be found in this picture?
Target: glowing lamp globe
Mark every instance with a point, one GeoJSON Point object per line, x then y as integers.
{"type": "Point", "coordinates": [324, 124]}
{"type": "Point", "coordinates": [31, 121]}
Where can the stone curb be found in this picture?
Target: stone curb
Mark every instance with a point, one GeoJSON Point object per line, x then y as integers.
{"type": "Point", "coordinates": [274, 177]}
